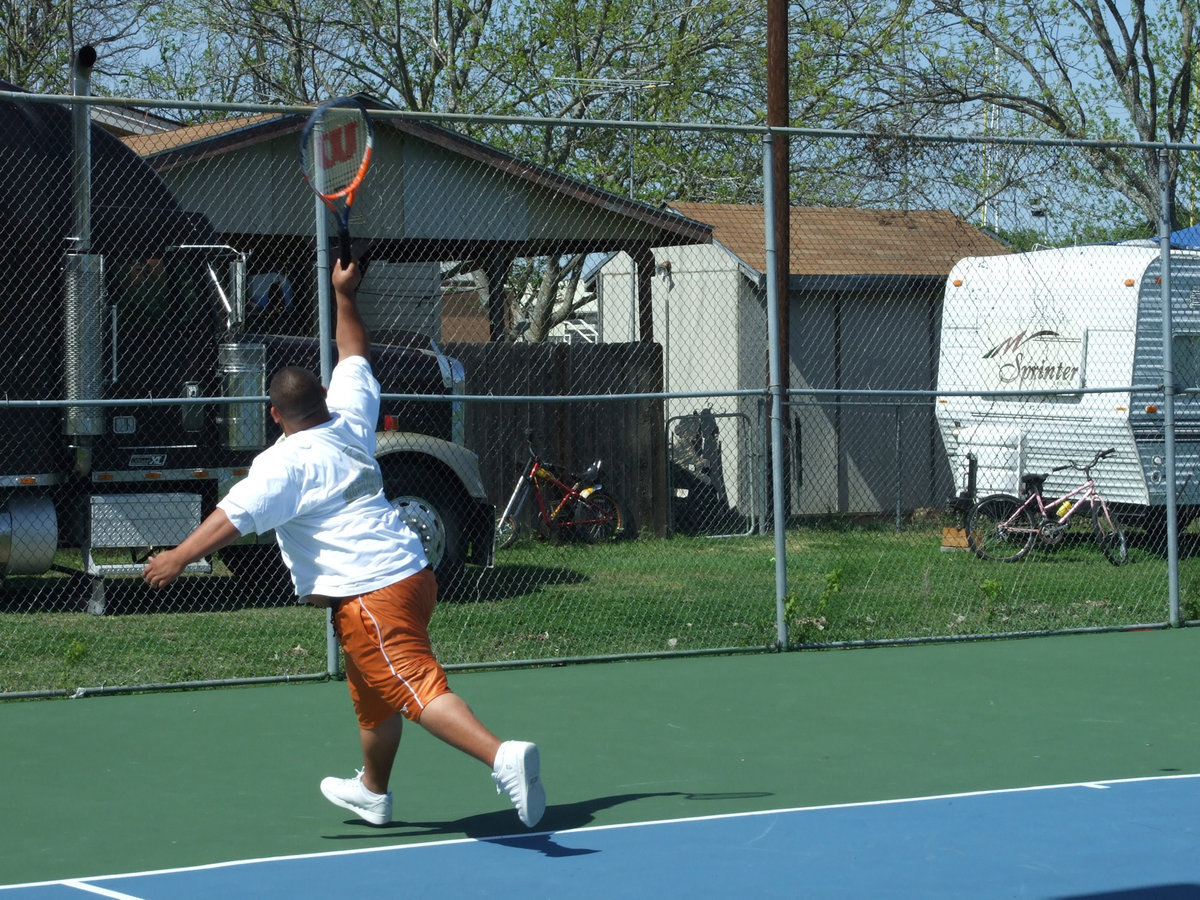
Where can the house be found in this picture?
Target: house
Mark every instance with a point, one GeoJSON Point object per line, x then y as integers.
{"type": "Point", "coordinates": [864, 313]}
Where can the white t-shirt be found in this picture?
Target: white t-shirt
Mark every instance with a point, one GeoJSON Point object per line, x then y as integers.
{"type": "Point", "coordinates": [322, 491]}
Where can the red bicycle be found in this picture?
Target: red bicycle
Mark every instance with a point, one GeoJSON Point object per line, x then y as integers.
{"type": "Point", "coordinates": [567, 505]}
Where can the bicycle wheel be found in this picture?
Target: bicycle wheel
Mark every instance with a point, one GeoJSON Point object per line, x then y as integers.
{"type": "Point", "coordinates": [506, 532]}
{"type": "Point", "coordinates": [1110, 535]}
{"type": "Point", "coordinates": [600, 518]}
{"type": "Point", "coordinates": [999, 528]}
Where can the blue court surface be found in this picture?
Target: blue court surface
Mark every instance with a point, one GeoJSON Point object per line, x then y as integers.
{"type": "Point", "coordinates": [1135, 838]}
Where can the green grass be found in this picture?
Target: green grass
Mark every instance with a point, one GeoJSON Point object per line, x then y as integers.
{"type": "Point", "coordinates": [849, 588]}
{"type": "Point", "coordinates": [546, 601]}
{"type": "Point", "coordinates": [65, 650]}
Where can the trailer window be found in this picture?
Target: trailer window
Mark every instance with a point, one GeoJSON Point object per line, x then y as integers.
{"type": "Point", "coordinates": [1185, 349]}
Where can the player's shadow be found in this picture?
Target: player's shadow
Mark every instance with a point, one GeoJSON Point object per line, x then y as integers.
{"type": "Point", "coordinates": [497, 827]}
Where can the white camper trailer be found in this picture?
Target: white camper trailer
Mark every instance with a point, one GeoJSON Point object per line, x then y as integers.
{"type": "Point", "coordinates": [1067, 320]}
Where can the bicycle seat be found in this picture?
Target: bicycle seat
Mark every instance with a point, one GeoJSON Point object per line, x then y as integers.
{"type": "Point", "coordinates": [1033, 483]}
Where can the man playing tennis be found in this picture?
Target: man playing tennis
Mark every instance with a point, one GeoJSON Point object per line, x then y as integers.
{"type": "Point", "coordinates": [320, 488]}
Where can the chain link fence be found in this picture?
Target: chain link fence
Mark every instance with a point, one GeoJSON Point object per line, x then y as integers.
{"type": "Point", "coordinates": [547, 350]}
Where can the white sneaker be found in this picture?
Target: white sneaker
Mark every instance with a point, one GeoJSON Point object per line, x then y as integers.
{"type": "Point", "coordinates": [352, 794]}
{"type": "Point", "coordinates": [518, 773]}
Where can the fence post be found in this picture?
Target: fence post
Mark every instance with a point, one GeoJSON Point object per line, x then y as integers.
{"type": "Point", "coordinates": [1168, 364]}
{"type": "Point", "coordinates": [775, 389]}
{"type": "Point", "coordinates": [325, 339]}
{"type": "Point", "coordinates": [899, 470]}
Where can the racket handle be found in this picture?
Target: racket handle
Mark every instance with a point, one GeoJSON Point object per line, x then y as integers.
{"type": "Point", "coordinates": [344, 246]}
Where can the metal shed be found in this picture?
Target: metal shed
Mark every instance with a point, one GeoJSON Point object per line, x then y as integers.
{"type": "Point", "coordinates": [865, 303]}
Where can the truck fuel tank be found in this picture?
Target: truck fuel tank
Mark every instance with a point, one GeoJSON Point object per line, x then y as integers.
{"type": "Point", "coordinates": [28, 535]}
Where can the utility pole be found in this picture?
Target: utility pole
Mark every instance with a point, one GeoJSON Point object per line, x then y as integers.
{"type": "Point", "coordinates": [778, 117]}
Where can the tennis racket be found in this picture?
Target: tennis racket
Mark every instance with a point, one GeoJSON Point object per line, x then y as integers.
{"type": "Point", "coordinates": [335, 153]}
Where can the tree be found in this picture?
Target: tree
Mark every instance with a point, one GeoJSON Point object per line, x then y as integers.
{"type": "Point", "coordinates": [418, 56]}
{"type": "Point", "coordinates": [257, 51]}
{"type": "Point", "coordinates": [677, 61]}
{"type": "Point", "coordinates": [1075, 69]}
{"type": "Point", "coordinates": [621, 60]}
{"type": "Point", "coordinates": [38, 39]}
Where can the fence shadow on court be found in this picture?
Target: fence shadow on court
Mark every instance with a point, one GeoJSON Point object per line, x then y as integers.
{"type": "Point", "coordinates": [77, 592]}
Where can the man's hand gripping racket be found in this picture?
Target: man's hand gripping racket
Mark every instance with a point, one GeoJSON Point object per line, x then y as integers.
{"type": "Point", "coordinates": [335, 152]}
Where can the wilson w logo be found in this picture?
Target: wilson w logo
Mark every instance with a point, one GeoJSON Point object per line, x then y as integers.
{"type": "Point", "coordinates": [339, 145]}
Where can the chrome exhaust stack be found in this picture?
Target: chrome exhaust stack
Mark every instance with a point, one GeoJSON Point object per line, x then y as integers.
{"type": "Point", "coordinates": [83, 301]}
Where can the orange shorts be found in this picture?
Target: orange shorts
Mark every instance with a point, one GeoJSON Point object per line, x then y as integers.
{"type": "Point", "coordinates": [390, 665]}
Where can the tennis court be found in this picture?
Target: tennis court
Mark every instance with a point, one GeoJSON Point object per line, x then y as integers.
{"type": "Point", "coordinates": [1050, 767]}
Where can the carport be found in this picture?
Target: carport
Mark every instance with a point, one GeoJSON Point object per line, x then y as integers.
{"type": "Point", "coordinates": [432, 195]}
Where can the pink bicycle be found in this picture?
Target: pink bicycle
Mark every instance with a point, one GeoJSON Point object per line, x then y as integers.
{"type": "Point", "coordinates": [1005, 528]}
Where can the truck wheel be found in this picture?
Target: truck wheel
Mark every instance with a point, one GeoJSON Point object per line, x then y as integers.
{"type": "Point", "coordinates": [431, 511]}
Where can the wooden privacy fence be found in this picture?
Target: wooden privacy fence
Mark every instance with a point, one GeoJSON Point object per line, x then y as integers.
{"type": "Point", "coordinates": [628, 435]}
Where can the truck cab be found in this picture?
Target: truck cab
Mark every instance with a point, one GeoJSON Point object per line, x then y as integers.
{"type": "Point", "coordinates": [135, 381]}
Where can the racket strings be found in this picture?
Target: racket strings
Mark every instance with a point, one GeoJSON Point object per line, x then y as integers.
{"type": "Point", "coordinates": [338, 151]}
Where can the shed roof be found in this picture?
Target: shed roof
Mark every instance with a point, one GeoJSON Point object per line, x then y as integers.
{"type": "Point", "coordinates": [556, 213]}
{"type": "Point", "coordinates": [832, 241]}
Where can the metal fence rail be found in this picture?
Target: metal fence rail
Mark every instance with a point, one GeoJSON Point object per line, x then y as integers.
{"type": "Point", "coordinates": [767, 506]}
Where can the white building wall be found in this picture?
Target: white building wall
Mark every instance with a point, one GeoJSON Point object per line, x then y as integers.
{"type": "Point", "coordinates": [697, 296]}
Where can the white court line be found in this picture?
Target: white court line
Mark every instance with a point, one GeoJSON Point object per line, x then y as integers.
{"type": "Point", "coordinates": [86, 883]}
{"type": "Point", "coordinates": [96, 889]}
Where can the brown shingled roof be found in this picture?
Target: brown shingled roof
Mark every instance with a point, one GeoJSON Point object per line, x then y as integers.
{"type": "Point", "coordinates": [220, 135]}
{"type": "Point", "coordinates": [828, 241]}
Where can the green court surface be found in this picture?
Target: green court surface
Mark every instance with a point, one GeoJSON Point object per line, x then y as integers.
{"type": "Point", "coordinates": [109, 784]}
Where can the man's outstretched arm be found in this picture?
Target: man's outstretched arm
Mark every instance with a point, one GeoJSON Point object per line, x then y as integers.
{"type": "Point", "coordinates": [213, 533]}
{"type": "Point", "coordinates": [351, 333]}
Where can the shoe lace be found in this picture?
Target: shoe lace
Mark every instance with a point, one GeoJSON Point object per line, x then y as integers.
{"type": "Point", "coordinates": [358, 776]}
{"type": "Point", "coordinates": [507, 780]}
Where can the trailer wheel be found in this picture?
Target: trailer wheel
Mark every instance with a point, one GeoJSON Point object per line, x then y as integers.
{"type": "Point", "coordinates": [1153, 538]}
{"type": "Point", "coordinates": [432, 511]}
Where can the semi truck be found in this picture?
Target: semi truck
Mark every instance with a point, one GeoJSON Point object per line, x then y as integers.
{"type": "Point", "coordinates": [1065, 349]}
{"type": "Point", "coordinates": [132, 382]}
